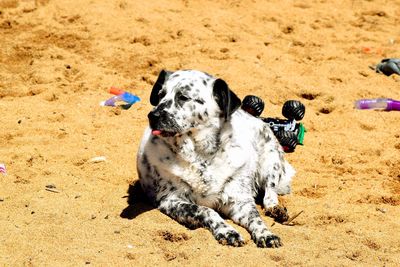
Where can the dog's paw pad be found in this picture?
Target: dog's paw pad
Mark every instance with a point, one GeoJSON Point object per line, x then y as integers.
{"type": "Point", "coordinates": [230, 238]}
{"type": "Point", "coordinates": [269, 241]}
{"type": "Point", "coordinates": [279, 213]}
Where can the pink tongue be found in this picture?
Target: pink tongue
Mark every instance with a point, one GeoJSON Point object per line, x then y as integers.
{"type": "Point", "coordinates": [156, 132]}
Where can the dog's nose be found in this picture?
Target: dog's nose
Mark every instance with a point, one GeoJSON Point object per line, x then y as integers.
{"type": "Point", "coordinates": [154, 115]}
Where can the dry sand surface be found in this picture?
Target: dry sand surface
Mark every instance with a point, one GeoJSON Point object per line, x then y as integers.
{"type": "Point", "coordinates": [58, 58]}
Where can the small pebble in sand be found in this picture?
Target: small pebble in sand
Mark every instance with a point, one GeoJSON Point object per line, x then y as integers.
{"type": "Point", "coordinates": [98, 159]}
{"type": "Point", "coordinates": [1, 199]}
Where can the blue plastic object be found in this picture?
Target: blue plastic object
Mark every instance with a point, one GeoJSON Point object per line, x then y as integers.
{"type": "Point", "coordinates": [123, 96]}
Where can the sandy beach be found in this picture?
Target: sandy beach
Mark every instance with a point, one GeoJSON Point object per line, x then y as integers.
{"type": "Point", "coordinates": [58, 58]}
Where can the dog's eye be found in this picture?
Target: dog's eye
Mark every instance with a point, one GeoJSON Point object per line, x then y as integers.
{"type": "Point", "coordinates": [183, 98]}
{"type": "Point", "coordinates": [200, 101]}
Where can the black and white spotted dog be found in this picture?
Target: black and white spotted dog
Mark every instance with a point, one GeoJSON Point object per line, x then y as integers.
{"type": "Point", "coordinates": [202, 156]}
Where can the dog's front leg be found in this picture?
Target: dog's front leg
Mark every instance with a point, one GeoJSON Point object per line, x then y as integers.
{"type": "Point", "coordinates": [194, 216]}
{"type": "Point", "coordinates": [246, 214]}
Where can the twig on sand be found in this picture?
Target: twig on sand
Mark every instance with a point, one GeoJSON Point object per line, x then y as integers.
{"type": "Point", "coordinates": [52, 190]}
{"type": "Point", "coordinates": [292, 218]}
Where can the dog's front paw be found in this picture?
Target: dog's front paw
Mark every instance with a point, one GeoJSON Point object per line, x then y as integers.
{"type": "Point", "coordinates": [231, 238]}
{"type": "Point", "coordinates": [267, 240]}
{"type": "Point", "coordinates": [278, 213]}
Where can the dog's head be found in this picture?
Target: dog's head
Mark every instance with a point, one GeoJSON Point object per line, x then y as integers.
{"type": "Point", "coordinates": [184, 100]}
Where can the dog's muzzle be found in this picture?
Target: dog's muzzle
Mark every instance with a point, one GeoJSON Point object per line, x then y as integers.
{"type": "Point", "coordinates": [161, 123]}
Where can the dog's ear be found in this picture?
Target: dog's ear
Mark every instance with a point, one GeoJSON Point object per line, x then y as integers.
{"type": "Point", "coordinates": [162, 77]}
{"type": "Point", "coordinates": [227, 101]}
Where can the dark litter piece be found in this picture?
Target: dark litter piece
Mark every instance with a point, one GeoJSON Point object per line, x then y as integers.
{"type": "Point", "coordinates": [388, 66]}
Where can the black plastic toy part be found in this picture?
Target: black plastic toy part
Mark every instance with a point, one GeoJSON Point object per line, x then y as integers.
{"type": "Point", "coordinates": [288, 132]}
{"type": "Point", "coordinates": [253, 105]}
{"type": "Point", "coordinates": [293, 110]}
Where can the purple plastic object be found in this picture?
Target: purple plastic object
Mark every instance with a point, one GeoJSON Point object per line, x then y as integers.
{"type": "Point", "coordinates": [387, 104]}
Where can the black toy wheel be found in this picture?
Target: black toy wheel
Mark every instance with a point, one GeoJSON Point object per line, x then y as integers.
{"type": "Point", "coordinates": [288, 140]}
{"type": "Point", "coordinates": [293, 109]}
{"type": "Point", "coordinates": [253, 105]}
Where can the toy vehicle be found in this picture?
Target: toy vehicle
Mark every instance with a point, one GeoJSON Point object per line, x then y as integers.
{"type": "Point", "coordinates": [288, 132]}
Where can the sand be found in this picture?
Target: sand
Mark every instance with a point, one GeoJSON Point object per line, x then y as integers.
{"type": "Point", "coordinates": [58, 58]}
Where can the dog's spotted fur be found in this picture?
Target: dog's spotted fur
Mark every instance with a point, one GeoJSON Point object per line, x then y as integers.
{"type": "Point", "coordinates": [202, 156]}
